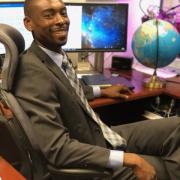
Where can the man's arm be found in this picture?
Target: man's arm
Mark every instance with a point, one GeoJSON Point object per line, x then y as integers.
{"type": "Point", "coordinates": [141, 168]}
{"type": "Point", "coordinates": [114, 91]}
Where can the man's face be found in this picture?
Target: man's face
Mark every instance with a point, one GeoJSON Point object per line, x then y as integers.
{"type": "Point", "coordinates": [49, 23]}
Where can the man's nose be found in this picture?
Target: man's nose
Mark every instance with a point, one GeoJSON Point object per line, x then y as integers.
{"type": "Point", "coordinates": [59, 18]}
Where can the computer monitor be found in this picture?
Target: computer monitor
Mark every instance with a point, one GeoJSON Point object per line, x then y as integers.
{"type": "Point", "coordinates": [12, 13]}
{"type": "Point", "coordinates": [97, 27]}
{"type": "Point", "coordinates": [94, 26]}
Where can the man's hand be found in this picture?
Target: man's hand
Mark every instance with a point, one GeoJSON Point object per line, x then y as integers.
{"type": "Point", "coordinates": [141, 168]}
{"type": "Point", "coordinates": [116, 91]}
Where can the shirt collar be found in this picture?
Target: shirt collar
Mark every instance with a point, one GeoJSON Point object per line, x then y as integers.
{"type": "Point", "coordinates": [56, 57]}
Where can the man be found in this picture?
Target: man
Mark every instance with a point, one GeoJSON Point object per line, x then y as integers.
{"type": "Point", "coordinates": [69, 133]}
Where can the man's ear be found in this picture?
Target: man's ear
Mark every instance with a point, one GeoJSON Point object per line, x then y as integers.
{"type": "Point", "coordinates": [28, 23]}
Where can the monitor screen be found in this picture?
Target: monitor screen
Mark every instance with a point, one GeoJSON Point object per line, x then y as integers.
{"type": "Point", "coordinates": [93, 27]}
{"type": "Point", "coordinates": [97, 27]}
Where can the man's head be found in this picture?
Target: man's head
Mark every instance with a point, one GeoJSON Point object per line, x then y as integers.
{"type": "Point", "coordinates": [48, 21]}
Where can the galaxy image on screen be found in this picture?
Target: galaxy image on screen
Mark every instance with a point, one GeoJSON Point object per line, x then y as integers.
{"type": "Point", "coordinates": [104, 27]}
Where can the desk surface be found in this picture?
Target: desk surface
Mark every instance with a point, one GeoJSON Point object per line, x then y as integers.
{"type": "Point", "coordinates": [172, 88]}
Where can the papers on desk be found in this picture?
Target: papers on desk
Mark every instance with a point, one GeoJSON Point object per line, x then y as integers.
{"type": "Point", "coordinates": [103, 81]}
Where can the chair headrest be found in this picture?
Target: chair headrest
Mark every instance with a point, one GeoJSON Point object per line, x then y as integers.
{"type": "Point", "coordinates": [14, 44]}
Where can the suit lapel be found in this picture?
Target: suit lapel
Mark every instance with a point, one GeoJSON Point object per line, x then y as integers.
{"type": "Point", "coordinates": [51, 65]}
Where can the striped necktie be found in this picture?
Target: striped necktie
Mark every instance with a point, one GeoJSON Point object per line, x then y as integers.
{"type": "Point", "coordinates": [111, 136]}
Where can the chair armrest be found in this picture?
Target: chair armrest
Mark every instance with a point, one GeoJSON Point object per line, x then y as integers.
{"type": "Point", "coordinates": [80, 172]}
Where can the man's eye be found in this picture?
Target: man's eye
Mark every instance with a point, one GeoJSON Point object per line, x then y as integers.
{"type": "Point", "coordinates": [48, 15]}
{"type": "Point", "coordinates": [64, 13]}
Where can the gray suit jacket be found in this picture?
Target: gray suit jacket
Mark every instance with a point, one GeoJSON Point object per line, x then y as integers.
{"type": "Point", "coordinates": [65, 132]}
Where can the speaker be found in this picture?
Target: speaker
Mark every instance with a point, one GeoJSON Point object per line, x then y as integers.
{"type": "Point", "coordinates": [122, 63]}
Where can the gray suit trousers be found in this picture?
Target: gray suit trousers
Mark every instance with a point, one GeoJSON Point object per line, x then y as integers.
{"type": "Point", "coordinates": [157, 141]}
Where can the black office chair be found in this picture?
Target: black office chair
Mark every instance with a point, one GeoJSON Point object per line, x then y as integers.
{"type": "Point", "coordinates": [24, 152]}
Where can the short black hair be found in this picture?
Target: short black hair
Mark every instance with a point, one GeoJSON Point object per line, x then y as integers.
{"type": "Point", "coordinates": [27, 7]}
{"type": "Point", "coordinates": [28, 4]}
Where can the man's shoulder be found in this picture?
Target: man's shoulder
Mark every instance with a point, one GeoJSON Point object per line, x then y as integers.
{"type": "Point", "coordinates": [32, 51]}
{"type": "Point", "coordinates": [26, 57]}
{"type": "Point", "coordinates": [29, 62]}
{"type": "Point", "coordinates": [28, 53]}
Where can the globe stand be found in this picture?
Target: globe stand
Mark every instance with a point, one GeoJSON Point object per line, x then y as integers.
{"type": "Point", "coordinates": [154, 82]}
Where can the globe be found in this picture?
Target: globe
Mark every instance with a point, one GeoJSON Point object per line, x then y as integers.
{"type": "Point", "coordinates": [156, 43]}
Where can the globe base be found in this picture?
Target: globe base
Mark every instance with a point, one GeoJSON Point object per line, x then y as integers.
{"type": "Point", "coordinates": [154, 83]}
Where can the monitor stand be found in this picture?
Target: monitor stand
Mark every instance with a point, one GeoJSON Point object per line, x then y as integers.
{"type": "Point", "coordinates": [83, 64]}
{"type": "Point", "coordinates": [99, 62]}
{"type": "Point", "coordinates": [94, 66]}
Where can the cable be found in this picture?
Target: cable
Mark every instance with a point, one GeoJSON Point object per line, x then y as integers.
{"type": "Point", "coordinates": [157, 101]}
{"type": "Point", "coordinates": [142, 8]}
{"type": "Point", "coordinates": [173, 8]}
{"type": "Point", "coordinates": [163, 108]}
{"type": "Point", "coordinates": [83, 57]}
{"type": "Point", "coordinates": [156, 105]}
{"type": "Point", "coordinates": [172, 103]}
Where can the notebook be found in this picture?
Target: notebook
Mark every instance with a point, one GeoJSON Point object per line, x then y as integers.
{"type": "Point", "coordinates": [103, 81]}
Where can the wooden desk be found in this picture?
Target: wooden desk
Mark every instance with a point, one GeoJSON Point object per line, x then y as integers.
{"type": "Point", "coordinates": [173, 87]}
{"type": "Point", "coordinates": [120, 111]}
{"type": "Point", "coordinates": [137, 78]}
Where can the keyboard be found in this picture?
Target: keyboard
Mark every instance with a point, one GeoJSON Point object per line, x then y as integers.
{"type": "Point", "coordinates": [103, 81]}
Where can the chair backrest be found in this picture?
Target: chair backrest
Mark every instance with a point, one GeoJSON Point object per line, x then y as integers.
{"type": "Point", "coordinates": [17, 122]}
{"type": "Point", "coordinates": [14, 44]}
